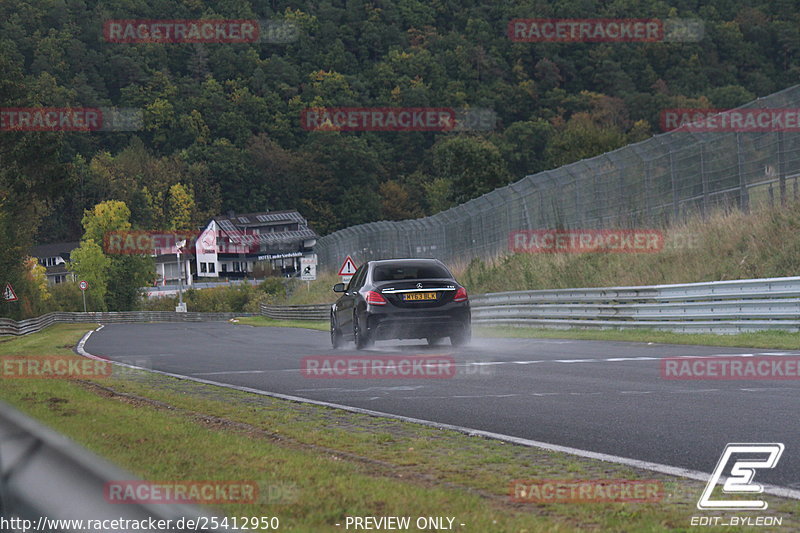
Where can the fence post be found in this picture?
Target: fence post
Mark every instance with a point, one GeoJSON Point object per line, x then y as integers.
{"type": "Point", "coordinates": [647, 190]}
{"type": "Point", "coordinates": [675, 203]}
{"type": "Point", "coordinates": [704, 179]}
{"type": "Point", "coordinates": [744, 197]}
{"type": "Point", "coordinates": [781, 169]}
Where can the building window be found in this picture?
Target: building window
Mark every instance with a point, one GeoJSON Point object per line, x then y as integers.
{"type": "Point", "coordinates": [224, 267]}
{"type": "Point", "coordinates": [236, 267]}
{"type": "Point", "coordinates": [203, 267]}
{"type": "Point", "coordinates": [212, 267]}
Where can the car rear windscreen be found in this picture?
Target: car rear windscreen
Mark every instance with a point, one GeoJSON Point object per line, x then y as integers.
{"type": "Point", "coordinates": [400, 272]}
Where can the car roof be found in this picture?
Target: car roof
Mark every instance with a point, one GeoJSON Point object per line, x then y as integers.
{"type": "Point", "coordinates": [410, 262]}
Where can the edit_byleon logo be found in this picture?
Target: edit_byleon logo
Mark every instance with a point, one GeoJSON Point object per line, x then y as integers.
{"type": "Point", "coordinates": [749, 457]}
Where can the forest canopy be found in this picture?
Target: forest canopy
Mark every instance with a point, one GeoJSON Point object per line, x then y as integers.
{"type": "Point", "coordinates": [223, 120]}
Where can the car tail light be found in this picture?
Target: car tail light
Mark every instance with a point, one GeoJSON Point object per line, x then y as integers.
{"type": "Point", "coordinates": [375, 298]}
{"type": "Point", "coordinates": [461, 295]}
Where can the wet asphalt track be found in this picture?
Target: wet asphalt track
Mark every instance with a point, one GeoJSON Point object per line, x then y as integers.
{"type": "Point", "coordinates": [604, 397]}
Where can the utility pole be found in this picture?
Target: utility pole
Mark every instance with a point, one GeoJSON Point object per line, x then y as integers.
{"type": "Point", "coordinates": [178, 245]}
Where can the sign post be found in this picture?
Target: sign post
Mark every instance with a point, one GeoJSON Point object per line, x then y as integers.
{"type": "Point", "coordinates": [308, 269]}
{"type": "Point", "coordinates": [181, 307]}
{"type": "Point", "coordinates": [83, 286]}
{"type": "Point", "coordinates": [348, 269]}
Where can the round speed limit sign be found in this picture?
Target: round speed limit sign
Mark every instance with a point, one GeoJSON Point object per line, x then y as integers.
{"type": "Point", "coordinates": [83, 285]}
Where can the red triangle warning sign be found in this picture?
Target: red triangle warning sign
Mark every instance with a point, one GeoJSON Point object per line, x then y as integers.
{"type": "Point", "coordinates": [348, 267]}
{"type": "Point", "coordinates": [8, 293]}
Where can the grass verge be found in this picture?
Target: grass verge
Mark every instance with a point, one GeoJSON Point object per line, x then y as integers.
{"type": "Point", "coordinates": [326, 463]}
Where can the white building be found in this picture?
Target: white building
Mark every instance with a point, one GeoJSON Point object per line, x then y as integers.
{"type": "Point", "coordinates": [230, 246]}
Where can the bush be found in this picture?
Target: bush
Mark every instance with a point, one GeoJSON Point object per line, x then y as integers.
{"type": "Point", "coordinates": [67, 297]}
{"type": "Point", "coordinates": [234, 298]}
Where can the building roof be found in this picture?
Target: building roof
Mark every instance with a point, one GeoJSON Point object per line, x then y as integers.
{"type": "Point", "coordinates": [233, 225]}
{"type": "Point", "coordinates": [56, 249]}
{"type": "Point", "coordinates": [263, 219]}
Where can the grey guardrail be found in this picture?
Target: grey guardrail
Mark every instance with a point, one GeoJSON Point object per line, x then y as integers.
{"type": "Point", "coordinates": [44, 475]}
{"type": "Point", "coordinates": [715, 307]}
{"type": "Point", "coordinates": [33, 325]}
{"type": "Point", "coordinates": [297, 312]}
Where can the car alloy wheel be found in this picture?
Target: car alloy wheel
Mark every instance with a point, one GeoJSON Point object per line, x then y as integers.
{"type": "Point", "coordinates": [359, 337]}
{"type": "Point", "coordinates": [336, 335]}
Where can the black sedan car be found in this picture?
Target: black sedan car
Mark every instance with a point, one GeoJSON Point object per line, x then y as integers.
{"type": "Point", "coordinates": [401, 299]}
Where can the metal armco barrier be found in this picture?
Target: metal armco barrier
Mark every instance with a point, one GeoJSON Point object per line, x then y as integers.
{"type": "Point", "coordinates": [713, 307]}
{"type": "Point", "coordinates": [297, 312]}
{"type": "Point", "coordinates": [33, 325]}
{"type": "Point", "coordinates": [45, 475]}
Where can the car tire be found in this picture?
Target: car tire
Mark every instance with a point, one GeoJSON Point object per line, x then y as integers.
{"type": "Point", "coordinates": [336, 335]}
{"type": "Point", "coordinates": [361, 338]}
{"type": "Point", "coordinates": [460, 339]}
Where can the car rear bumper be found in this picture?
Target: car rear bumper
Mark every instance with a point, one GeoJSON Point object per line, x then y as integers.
{"type": "Point", "coordinates": [409, 325]}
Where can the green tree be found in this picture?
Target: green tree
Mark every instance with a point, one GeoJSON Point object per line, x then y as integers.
{"type": "Point", "coordinates": [439, 195]}
{"type": "Point", "coordinates": [90, 264]}
{"type": "Point", "coordinates": [127, 276]}
{"type": "Point", "coordinates": [473, 165]}
{"type": "Point", "coordinates": [120, 277]}
{"type": "Point", "coordinates": [181, 207]}
{"type": "Point", "coordinates": [111, 215]}
{"type": "Point", "coordinates": [581, 138]}
{"type": "Point", "coordinates": [396, 202]}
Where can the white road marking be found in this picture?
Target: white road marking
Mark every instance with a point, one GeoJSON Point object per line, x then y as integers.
{"type": "Point", "coordinates": [146, 355]}
{"type": "Point", "coordinates": [367, 389]}
{"type": "Point", "coordinates": [617, 359]}
{"type": "Point", "coordinates": [628, 359]}
{"type": "Point", "coordinates": [228, 372]}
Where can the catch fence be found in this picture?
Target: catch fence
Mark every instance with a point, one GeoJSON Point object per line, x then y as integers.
{"type": "Point", "coordinates": [652, 183]}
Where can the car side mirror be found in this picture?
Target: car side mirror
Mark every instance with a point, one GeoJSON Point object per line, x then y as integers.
{"type": "Point", "coordinates": [339, 287]}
